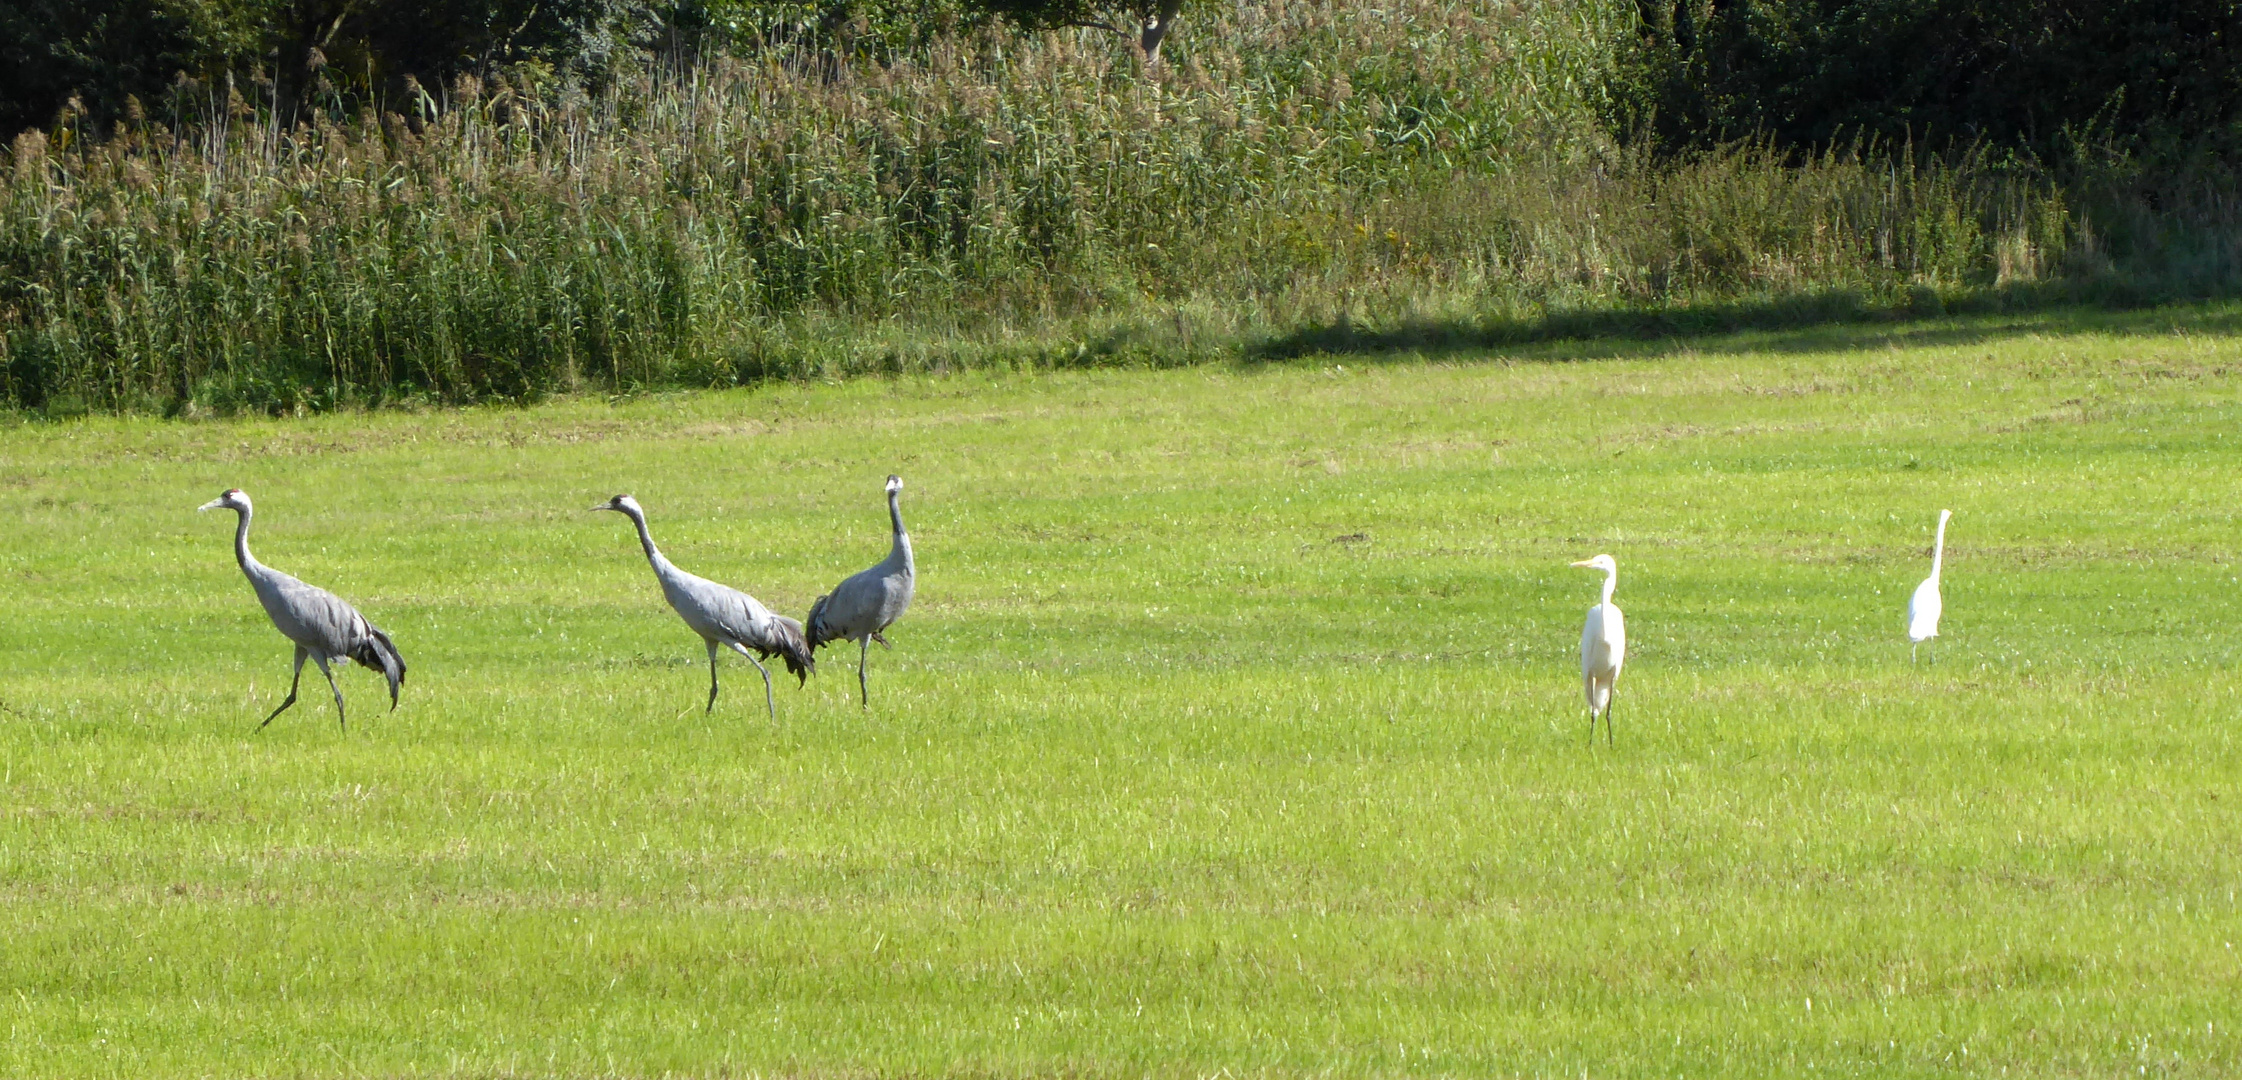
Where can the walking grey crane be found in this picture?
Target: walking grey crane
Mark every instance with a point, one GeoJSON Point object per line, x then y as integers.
{"type": "Point", "coordinates": [319, 622]}
{"type": "Point", "coordinates": [722, 615]}
{"type": "Point", "coordinates": [869, 602]}
{"type": "Point", "coordinates": [1603, 648]}
{"type": "Point", "coordinates": [1924, 608]}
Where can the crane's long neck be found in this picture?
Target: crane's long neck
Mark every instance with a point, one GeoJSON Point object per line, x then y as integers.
{"type": "Point", "coordinates": [248, 562]}
{"type": "Point", "coordinates": [646, 540]}
{"type": "Point", "coordinates": [1611, 581]}
{"type": "Point", "coordinates": [901, 552]}
{"type": "Point", "coordinates": [1938, 551]}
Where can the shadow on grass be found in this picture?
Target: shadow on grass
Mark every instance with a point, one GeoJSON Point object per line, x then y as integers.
{"type": "Point", "coordinates": [1805, 323]}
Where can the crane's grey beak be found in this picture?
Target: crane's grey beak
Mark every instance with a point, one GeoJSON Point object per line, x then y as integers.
{"type": "Point", "coordinates": [600, 507]}
{"type": "Point", "coordinates": [214, 504]}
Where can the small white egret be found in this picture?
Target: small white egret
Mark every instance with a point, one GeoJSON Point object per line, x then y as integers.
{"type": "Point", "coordinates": [1924, 608]}
{"type": "Point", "coordinates": [1603, 648]}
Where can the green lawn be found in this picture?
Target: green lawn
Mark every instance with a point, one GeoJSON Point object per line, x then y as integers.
{"type": "Point", "coordinates": [1236, 728]}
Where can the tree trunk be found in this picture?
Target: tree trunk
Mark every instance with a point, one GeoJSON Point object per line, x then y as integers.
{"type": "Point", "coordinates": [1156, 28]}
{"type": "Point", "coordinates": [307, 27]}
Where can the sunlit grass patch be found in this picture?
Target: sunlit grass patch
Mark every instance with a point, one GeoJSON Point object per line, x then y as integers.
{"type": "Point", "coordinates": [1237, 725]}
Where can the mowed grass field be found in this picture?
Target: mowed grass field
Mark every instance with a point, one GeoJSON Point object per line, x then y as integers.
{"type": "Point", "coordinates": [1236, 729]}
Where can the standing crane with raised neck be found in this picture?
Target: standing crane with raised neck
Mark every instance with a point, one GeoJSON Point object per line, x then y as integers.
{"type": "Point", "coordinates": [1603, 648]}
{"type": "Point", "coordinates": [323, 627]}
{"type": "Point", "coordinates": [1924, 608]}
{"type": "Point", "coordinates": [869, 602]}
{"type": "Point", "coordinates": [723, 616]}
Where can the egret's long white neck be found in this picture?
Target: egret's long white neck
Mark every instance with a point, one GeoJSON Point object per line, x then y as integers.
{"type": "Point", "coordinates": [902, 549]}
{"type": "Point", "coordinates": [1938, 550]}
{"type": "Point", "coordinates": [1611, 581]}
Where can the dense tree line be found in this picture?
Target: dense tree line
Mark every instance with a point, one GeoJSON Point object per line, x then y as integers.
{"type": "Point", "coordinates": [2037, 76]}
{"type": "Point", "coordinates": [95, 61]}
{"type": "Point", "coordinates": [1800, 73]}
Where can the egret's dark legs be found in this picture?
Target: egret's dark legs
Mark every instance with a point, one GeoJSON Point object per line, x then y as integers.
{"type": "Point", "coordinates": [324, 669]}
{"type": "Point", "coordinates": [863, 657]}
{"type": "Point", "coordinates": [711, 679]}
{"type": "Point", "coordinates": [301, 654]}
{"type": "Point", "coordinates": [1611, 698]}
{"type": "Point", "coordinates": [768, 701]}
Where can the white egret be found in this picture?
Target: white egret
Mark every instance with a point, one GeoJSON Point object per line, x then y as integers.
{"type": "Point", "coordinates": [1603, 648]}
{"type": "Point", "coordinates": [1924, 608]}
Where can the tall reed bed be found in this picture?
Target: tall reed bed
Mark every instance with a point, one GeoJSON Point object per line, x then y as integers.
{"type": "Point", "coordinates": [989, 199]}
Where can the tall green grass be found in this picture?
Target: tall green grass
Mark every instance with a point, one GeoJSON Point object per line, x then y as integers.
{"type": "Point", "coordinates": [986, 199]}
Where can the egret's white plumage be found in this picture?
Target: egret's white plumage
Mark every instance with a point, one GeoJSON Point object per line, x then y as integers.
{"type": "Point", "coordinates": [723, 616]}
{"type": "Point", "coordinates": [1924, 608]}
{"type": "Point", "coordinates": [870, 601]}
{"type": "Point", "coordinates": [321, 625]}
{"type": "Point", "coordinates": [1603, 647]}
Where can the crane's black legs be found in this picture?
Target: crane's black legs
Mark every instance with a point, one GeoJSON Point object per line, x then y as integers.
{"type": "Point", "coordinates": [301, 654]}
{"type": "Point", "coordinates": [711, 678]}
{"type": "Point", "coordinates": [329, 672]}
{"type": "Point", "coordinates": [863, 657]}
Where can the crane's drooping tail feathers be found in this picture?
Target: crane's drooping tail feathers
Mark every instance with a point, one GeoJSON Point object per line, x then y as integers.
{"type": "Point", "coordinates": [792, 646]}
{"type": "Point", "coordinates": [819, 635]}
{"type": "Point", "coordinates": [816, 624]}
{"type": "Point", "coordinates": [376, 653]}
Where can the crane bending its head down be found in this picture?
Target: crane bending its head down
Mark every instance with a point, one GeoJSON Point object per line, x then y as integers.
{"type": "Point", "coordinates": [1924, 608]}
{"type": "Point", "coordinates": [320, 624]}
{"type": "Point", "coordinates": [724, 617]}
{"type": "Point", "coordinates": [1603, 648]}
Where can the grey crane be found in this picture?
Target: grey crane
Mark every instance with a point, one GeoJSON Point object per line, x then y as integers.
{"type": "Point", "coordinates": [722, 615]}
{"type": "Point", "coordinates": [319, 622]}
{"type": "Point", "coordinates": [869, 602]}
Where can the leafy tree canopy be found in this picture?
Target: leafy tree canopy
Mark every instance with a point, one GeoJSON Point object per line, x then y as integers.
{"type": "Point", "coordinates": [1809, 73]}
